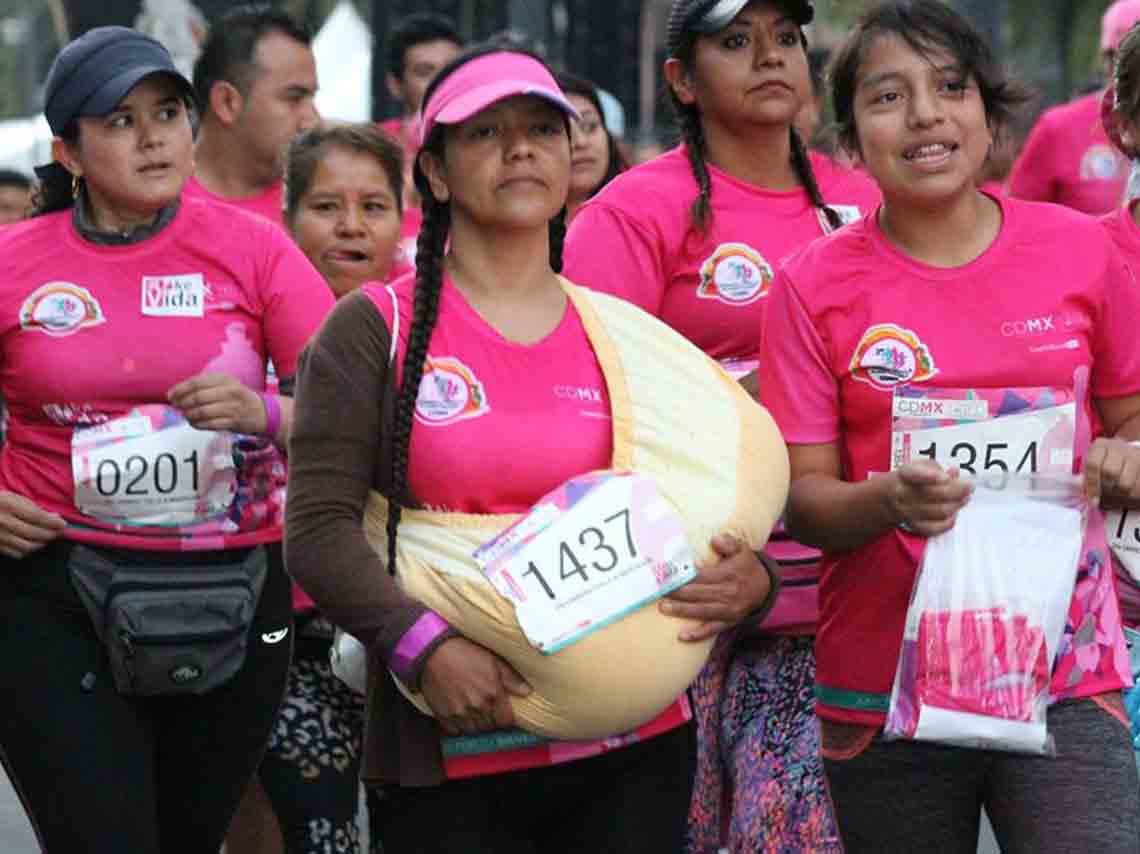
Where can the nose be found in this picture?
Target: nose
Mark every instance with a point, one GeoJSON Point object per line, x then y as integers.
{"type": "Point", "coordinates": [351, 221]}
{"type": "Point", "coordinates": [925, 107]}
{"type": "Point", "coordinates": [150, 133]}
{"type": "Point", "coordinates": [577, 137]}
{"type": "Point", "coordinates": [517, 143]}
{"type": "Point", "coordinates": [310, 116]}
{"type": "Point", "coordinates": [767, 53]}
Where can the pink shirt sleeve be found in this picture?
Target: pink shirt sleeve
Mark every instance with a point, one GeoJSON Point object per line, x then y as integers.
{"type": "Point", "coordinates": [796, 381]}
{"type": "Point", "coordinates": [1115, 346]}
{"type": "Point", "coordinates": [295, 299]}
{"type": "Point", "coordinates": [606, 251]}
{"type": "Point", "coordinates": [1033, 176]}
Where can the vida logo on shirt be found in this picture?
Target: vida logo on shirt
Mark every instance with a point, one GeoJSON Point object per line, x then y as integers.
{"type": "Point", "coordinates": [174, 296]}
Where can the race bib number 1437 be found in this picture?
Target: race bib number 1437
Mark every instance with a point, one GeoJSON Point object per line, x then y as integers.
{"type": "Point", "coordinates": [596, 549]}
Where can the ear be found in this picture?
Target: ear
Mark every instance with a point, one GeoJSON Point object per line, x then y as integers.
{"type": "Point", "coordinates": [395, 87]}
{"type": "Point", "coordinates": [680, 81]}
{"type": "Point", "coordinates": [433, 170]}
{"type": "Point", "coordinates": [66, 155]}
{"type": "Point", "coordinates": [226, 102]}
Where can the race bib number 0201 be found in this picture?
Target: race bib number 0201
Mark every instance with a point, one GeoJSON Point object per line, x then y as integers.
{"type": "Point", "coordinates": [594, 550]}
{"type": "Point", "coordinates": [151, 468]}
{"type": "Point", "coordinates": [985, 431]}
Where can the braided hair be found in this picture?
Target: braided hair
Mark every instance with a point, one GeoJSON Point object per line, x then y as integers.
{"type": "Point", "coordinates": [681, 40]}
{"type": "Point", "coordinates": [430, 247]}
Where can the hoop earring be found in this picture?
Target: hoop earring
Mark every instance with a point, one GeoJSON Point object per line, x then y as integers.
{"type": "Point", "coordinates": [75, 185]}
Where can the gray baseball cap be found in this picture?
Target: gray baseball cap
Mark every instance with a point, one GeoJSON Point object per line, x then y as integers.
{"type": "Point", "coordinates": [93, 73]}
{"type": "Point", "coordinates": [710, 16]}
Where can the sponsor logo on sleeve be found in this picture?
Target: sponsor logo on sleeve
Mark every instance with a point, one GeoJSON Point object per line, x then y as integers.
{"type": "Point", "coordinates": [449, 392]}
{"type": "Point", "coordinates": [1101, 162]}
{"type": "Point", "coordinates": [174, 296]}
{"type": "Point", "coordinates": [735, 274]}
{"type": "Point", "coordinates": [60, 308]}
{"type": "Point", "coordinates": [888, 355]}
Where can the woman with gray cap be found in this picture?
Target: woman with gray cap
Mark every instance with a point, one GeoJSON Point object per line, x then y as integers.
{"type": "Point", "coordinates": [144, 609]}
{"type": "Point", "coordinates": [695, 238]}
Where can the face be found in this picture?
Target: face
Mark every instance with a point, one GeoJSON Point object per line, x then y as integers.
{"type": "Point", "coordinates": [754, 71]}
{"type": "Point", "coordinates": [348, 223]}
{"type": "Point", "coordinates": [508, 166]}
{"type": "Point", "coordinates": [589, 148]}
{"type": "Point", "coordinates": [421, 63]}
{"type": "Point", "coordinates": [14, 202]}
{"type": "Point", "coordinates": [280, 101]}
{"type": "Point", "coordinates": [135, 159]}
{"type": "Point", "coordinates": [920, 122]}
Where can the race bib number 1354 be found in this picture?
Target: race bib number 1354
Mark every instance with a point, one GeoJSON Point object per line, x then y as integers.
{"type": "Point", "coordinates": [589, 553]}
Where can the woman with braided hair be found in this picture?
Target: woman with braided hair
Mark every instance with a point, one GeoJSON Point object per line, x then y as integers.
{"type": "Point", "coordinates": [695, 237]}
{"type": "Point", "coordinates": [468, 391]}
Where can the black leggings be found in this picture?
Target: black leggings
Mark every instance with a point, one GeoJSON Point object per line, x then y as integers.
{"type": "Point", "coordinates": [100, 773]}
{"type": "Point", "coordinates": [633, 800]}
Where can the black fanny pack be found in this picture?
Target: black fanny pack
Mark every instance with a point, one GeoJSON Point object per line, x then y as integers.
{"type": "Point", "coordinates": [177, 629]}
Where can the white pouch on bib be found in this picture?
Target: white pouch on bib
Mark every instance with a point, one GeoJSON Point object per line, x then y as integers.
{"type": "Point", "coordinates": [986, 616]}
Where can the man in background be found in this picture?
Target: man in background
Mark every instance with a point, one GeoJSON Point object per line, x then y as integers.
{"type": "Point", "coordinates": [419, 46]}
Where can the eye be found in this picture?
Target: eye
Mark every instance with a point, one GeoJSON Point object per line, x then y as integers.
{"type": "Point", "coordinates": [376, 207]}
{"type": "Point", "coordinates": [889, 97]}
{"type": "Point", "coordinates": [735, 41]}
{"type": "Point", "coordinates": [169, 112]}
{"type": "Point", "coordinates": [789, 38]}
{"type": "Point", "coordinates": [589, 127]}
{"type": "Point", "coordinates": [547, 128]}
{"type": "Point", "coordinates": [120, 120]}
{"type": "Point", "coordinates": [324, 206]}
{"type": "Point", "coordinates": [955, 85]}
{"type": "Point", "coordinates": [485, 131]}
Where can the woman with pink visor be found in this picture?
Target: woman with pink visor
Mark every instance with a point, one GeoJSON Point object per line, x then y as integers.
{"type": "Point", "coordinates": [493, 170]}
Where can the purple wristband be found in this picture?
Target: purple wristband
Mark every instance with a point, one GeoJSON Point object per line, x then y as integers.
{"type": "Point", "coordinates": [427, 628]}
{"type": "Point", "coordinates": [272, 413]}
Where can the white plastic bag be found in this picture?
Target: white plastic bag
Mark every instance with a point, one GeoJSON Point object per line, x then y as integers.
{"type": "Point", "coordinates": [986, 617]}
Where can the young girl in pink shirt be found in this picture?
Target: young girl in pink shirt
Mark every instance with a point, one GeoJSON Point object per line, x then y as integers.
{"type": "Point", "coordinates": [695, 237]}
{"type": "Point", "coordinates": [473, 388]}
{"type": "Point", "coordinates": [948, 289]}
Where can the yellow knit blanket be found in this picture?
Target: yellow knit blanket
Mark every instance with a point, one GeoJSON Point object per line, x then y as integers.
{"type": "Point", "coordinates": [715, 455]}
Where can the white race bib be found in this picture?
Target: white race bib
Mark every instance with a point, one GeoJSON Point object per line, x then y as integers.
{"type": "Point", "coordinates": [597, 548]}
{"type": "Point", "coordinates": [967, 429]}
{"type": "Point", "coordinates": [152, 468]}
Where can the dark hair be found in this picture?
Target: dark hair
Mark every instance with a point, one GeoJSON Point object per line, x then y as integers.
{"type": "Point", "coordinates": [14, 178]}
{"type": "Point", "coordinates": [308, 149]}
{"type": "Point", "coordinates": [1126, 77]}
{"type": "Point", "coordinates": [425, 308]}
{"type": "Point", "coordinates": [572, 84]}
{"type": "Point", "coordinates": [683, 41]}
{"type": "Point", "coordinates": [416, 29]}
{"type": "Point", "coordinates": [926, 26]}
{"type": "Point", "coordinates": [228, 54]}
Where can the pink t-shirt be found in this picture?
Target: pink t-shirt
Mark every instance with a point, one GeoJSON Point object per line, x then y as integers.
{"type": "Point", "coordinates": [1126, 235]}
{"type": "Point", "coordinates": [634, 240]}
{"type": "Point", "coordinates": [1068, 160]}
{"type": "Point", "coordinates": [94, 332]}
{"type": "Point", "coordinates": [507, 422]}
{"type": "Point", "coordinates": [1049, 304]}
{"type": "Point", "coordinates": [270, 203]}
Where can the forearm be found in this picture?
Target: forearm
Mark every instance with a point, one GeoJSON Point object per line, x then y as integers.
{"type": "Point", "coordinates": [835, 515]}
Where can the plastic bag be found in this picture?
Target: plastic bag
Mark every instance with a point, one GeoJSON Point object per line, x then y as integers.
{"type": "Point", "coordinates": [987, 613]}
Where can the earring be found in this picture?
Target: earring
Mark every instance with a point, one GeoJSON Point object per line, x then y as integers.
{"type": "Point", "coordinates": [75, 185]}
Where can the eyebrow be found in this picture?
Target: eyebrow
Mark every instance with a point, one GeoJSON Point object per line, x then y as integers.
{"type": "Point", "coordinates": [743, 20]}
{"type": "Point", "coordinates": [892, 74]}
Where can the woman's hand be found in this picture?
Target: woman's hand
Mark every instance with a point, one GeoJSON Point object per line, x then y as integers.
{"type": "Point", "coordinates": [1112, 472]}
{"type": "Point", "coordinates": [924, 498]}
{"type": "Point", "coordinates": [219, 402]}
{"type": "Point", "coordinates": [469, 688]}
{"type": "Point", "coordinates": [25, 527]}
{"type": "Point", "coordinates": [723, 593]}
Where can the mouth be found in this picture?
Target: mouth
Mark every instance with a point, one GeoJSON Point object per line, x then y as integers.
{"type": "Point", "coordinates": [348, 256]}
{"type": "Point", "coordinates": [522, 181]}
{"type": "Point", "coordinates": [771, 87]}
{"type": "Point", "coordinates": [152, 169]}
{"type": "Point", "coordinates": [583, 162]}
{"type": "Point", "coordinates": [930, 153]}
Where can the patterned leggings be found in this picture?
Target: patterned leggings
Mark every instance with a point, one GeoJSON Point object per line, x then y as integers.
{"type": "Point", "coordinates": [770, 748]}
{"type": "Point", "coordinates": [310, 771]}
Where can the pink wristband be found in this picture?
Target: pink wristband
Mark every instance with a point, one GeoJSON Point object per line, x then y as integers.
{"type": "Point", "coordinates": [272, 413]}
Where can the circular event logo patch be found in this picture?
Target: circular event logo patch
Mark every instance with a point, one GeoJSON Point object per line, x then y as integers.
{"type": "Point", "coordinates": [60, 308]}
{"type": "Point", "coordinates": [449, 392]}
{"type": "Point", "coordinates": [888, 355]}
{"type": "Point", "coordinates": [735, 274]}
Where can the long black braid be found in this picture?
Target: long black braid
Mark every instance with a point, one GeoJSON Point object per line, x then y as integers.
{"type": "Point", "coordinates": [801, 163]}
{"type": "Point", "coordinates": [430, 247]}
{"type": "Point", "coordinates": [693, 135]}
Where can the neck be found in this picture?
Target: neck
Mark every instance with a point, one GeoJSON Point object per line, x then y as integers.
{"type": "Point", "coordinates": [223, 168]}
{"type": "Point", "coordinates": [505, 266]}
{"type": "Point", "coordinates": [945, 234]}
{"type": "Point", "coordinates": [112, 220]}
{"type": "Point", "coordinates": [1134, 212]}
{"type": "Point", "coordinates": [761, 157]}
{"type": "Point", "coordinates": [573, 204]}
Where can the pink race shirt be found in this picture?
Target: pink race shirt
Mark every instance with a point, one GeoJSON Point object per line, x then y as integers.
{"type": "Point", "coordinates": [851, 318]}
{"type": "Point", "coordinates": [1068, 160]}
{"type": "Point", "coordinates": [95, 336]}
{"type": "Point", "coordinates": [269, 204]}
{"type": "Point", "coordinates": [635, 240]}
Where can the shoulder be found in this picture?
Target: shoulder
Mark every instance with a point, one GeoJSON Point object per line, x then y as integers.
{"type": "Point", "coordinates": [1076, 114]}
{"type": "Point", "coordinates": [27, 233]}
{"type": "Point", "coordinates": [1051, 224]}
{"type": "Point", "coordinates": [649, 188]}
{"type": "Point", "coordinates": [843, 185]}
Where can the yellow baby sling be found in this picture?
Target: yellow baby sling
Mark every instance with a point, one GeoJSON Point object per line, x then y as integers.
{"type": "Point", "coordinates": [716, 457]}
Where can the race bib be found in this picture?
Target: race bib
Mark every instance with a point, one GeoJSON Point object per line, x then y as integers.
{"type": "Point", "coordinates": [1123, 528]}
{"type": "Point", "coordinates": [594, 550]}
{"type": "Point", "coordinates": [152, 468]}
{"type": "Point", "coordinates": [985, 431]}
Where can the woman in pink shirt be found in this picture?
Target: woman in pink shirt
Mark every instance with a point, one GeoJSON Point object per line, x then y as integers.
{"type": "Point", "coordinates": [945, 291]}
{"type": "Point", "coordinates": [695, 237]}
{"type": "Point", "coordinates": [494, 397]}
{"type": "Point", "coordinates": [145, 627]}
{"type": "Point", "coordinates": [595, 158]}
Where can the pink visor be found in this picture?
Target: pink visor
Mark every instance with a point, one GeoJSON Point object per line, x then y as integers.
{"type": "Point", "coordinates": [483, 81]}
{"type": "Point", "coordinates": [1117, 21]}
